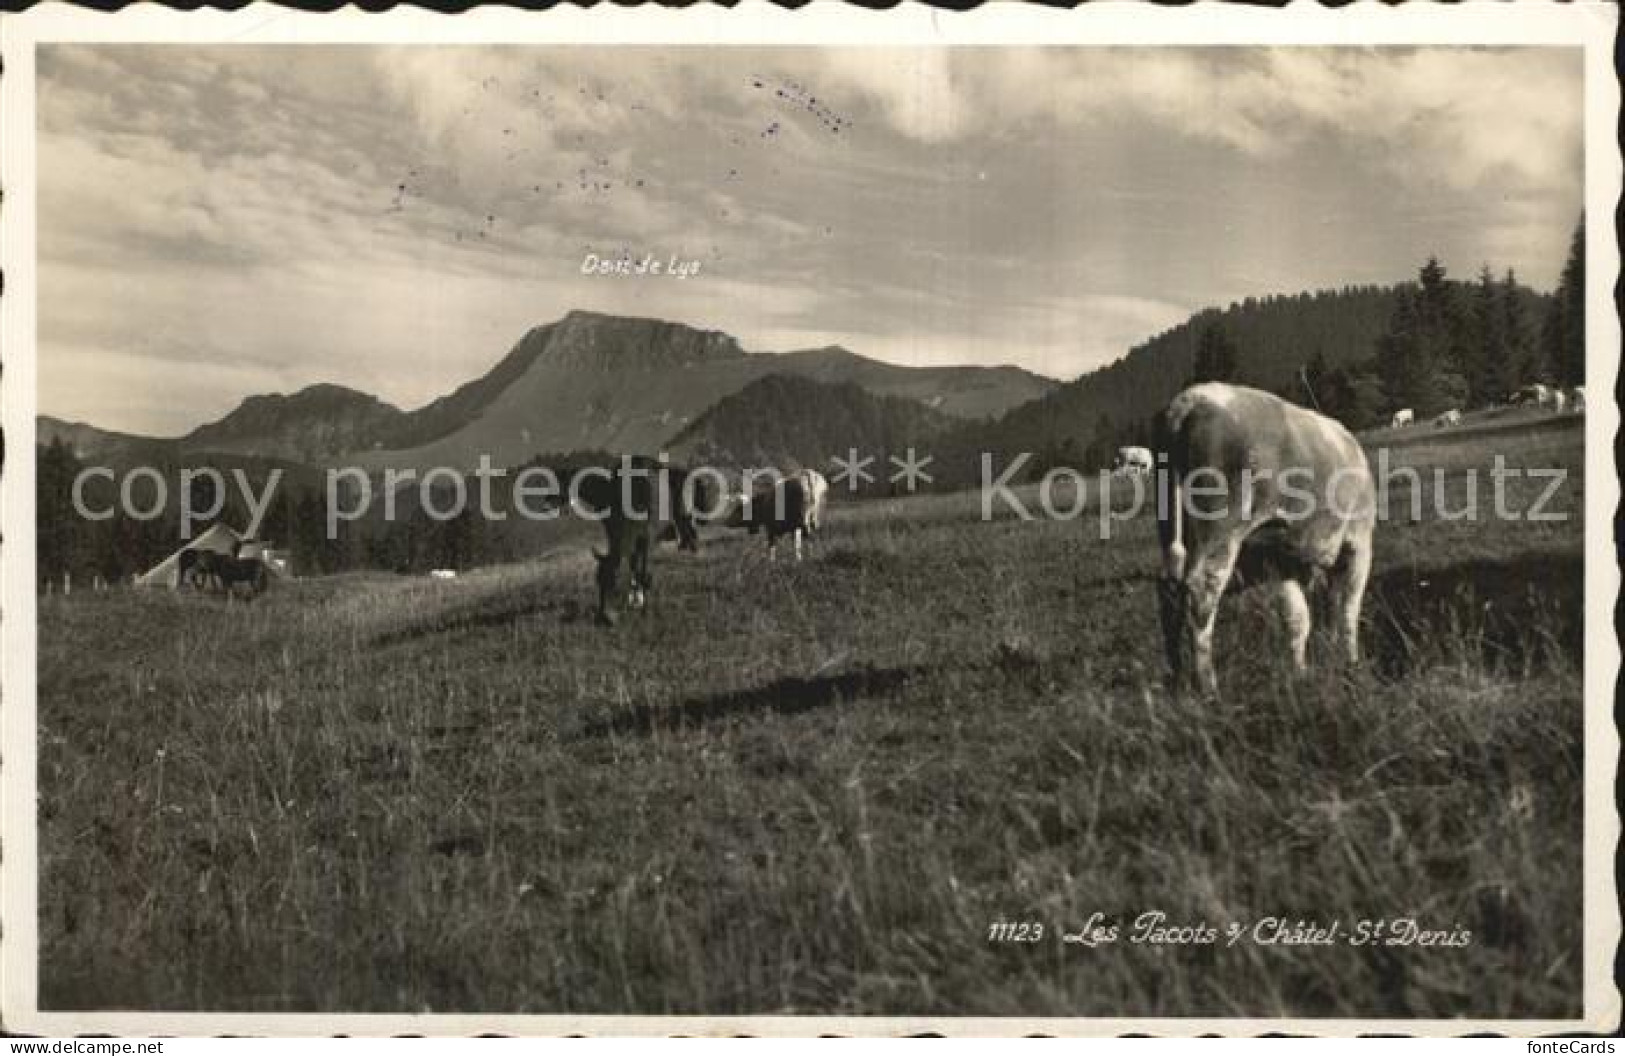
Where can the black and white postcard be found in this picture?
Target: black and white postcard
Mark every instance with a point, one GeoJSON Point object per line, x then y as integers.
{"type": "Point", "coordinates": [832, 521]}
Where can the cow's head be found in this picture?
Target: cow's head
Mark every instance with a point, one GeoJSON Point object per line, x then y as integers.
{"type": "Point", "coordinates": [738, 511]}
{"type": "Point", "coordinates": [693, 495]}
{"type": "Point", "coordinates": [609, 593]}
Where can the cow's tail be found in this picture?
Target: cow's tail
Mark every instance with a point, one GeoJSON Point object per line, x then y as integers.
{"type": "Point", "coordinates": [1168, 456]}
{"type": "Point", "coordinates": [1171, 505]}
{"type": "Point", "coordinates": [1173, 527]}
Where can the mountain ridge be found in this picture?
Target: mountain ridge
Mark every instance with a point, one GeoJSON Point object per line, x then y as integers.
{"type": "Point", "coordinates": [790, 421]}
{"type": "Point", "coordinates": [311, 424]}
{"type": "Point", "coordinates": [584, 381]}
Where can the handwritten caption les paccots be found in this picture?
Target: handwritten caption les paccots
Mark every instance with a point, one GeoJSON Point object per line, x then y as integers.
{"type": "Point", "coordinates": [1154, 928]}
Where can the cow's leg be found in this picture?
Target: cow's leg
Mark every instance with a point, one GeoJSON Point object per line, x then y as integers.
{"type": "Point", "coordinates": [1347, 588]}
{"type": "Point", "coordinates": [1206, 574]}
{"type": "Point", "coordinates": [640, 572]}
{"type": "Point", "coordinates": [1295, 608]}
{"type": "Point", "coordinates": [1172, 601]}
{"type": "Point", "coordinates": [608, 579]}
{"type": "Point", "coordinates": [797, 534]}
{"type": "Point", "coordinates": [1171, 607]}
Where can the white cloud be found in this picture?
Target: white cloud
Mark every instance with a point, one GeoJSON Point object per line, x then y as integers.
{"type": "Point", "coordinates": [234, 213]}
{"type": "Point", "coordinates": [916, 88]}
{"type": "Point", "coordinates": [1459, 115]}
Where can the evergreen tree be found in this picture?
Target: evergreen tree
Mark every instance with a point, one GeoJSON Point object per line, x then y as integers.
{"type": "Point", "coordinates": [1421, 358]}
{"type": "Point", "coordinates": [1522, 362]}
{"type": "Point", "coordinates": [1312, 382]}
{"type": "Point", "coordinates": [1216, 356]}
{"type": "Point", "coordinates": [57, 523]}
{"type": "Point", "coordinates": [1491, 378]}
{"type": "Point", "coordinates": [1402, 366]}
{"type": "Point", "coordinates": [1564, 332]}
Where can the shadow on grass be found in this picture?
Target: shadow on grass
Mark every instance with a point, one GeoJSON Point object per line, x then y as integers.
{"type": "Point", "coordinates": [500, 611]}
{"type": "Point", "coordinates": [785, 696]}
{"type": "Point", "coordinates": [1508, 614]}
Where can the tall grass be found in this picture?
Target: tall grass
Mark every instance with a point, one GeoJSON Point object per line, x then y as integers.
{"type": "Point", "coordinates": [814, 787]}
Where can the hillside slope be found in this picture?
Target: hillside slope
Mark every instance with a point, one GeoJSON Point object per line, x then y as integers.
{"type": "Point", "coordinates": [312, 425]}
{"type": "Point", "coordinates": [785, 420]}
{"type": "Point", "coordinates": [1275, 339]}
{"type": "Point", "coordinates": [585, 382]}
{"type": "Point", "coordinates": [632, 385]}
{"type": "Point", "coordinates": [90, 444]}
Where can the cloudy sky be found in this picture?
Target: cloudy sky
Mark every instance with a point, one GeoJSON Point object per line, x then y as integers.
{"type": "Point", "coordinates": [225, 220]}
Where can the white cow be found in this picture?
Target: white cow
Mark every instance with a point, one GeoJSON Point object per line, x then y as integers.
{"type": "Point", "coordinates": [792, 506]}
{"type": "Point", "coordinates": [1537, 394]}
{"type": "Point", "coordinates": [1560, 401]}
{"type": "Point", "coordinates": [817, 490]}
{"type": "Point", "coordinates": [1447, 419]}
{"type": "Point", "coordinates": [1132, 460]}
{"type": "Point", "coordinates": [1296, 489]}
{"type": "Point", "coordinates": [1403, 418]}
{"type": "Point", "coordinates": [443, 573]}
{"type": "Point", "coordinates": [1577, 399]}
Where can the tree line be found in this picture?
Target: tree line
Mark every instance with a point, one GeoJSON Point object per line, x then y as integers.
{"type": "Point", "coordinates": [121, 545]}
{"type": "Point", "coordinates": [1356, 354]}
{"type": "Point", "coordinates": [1444, 344]}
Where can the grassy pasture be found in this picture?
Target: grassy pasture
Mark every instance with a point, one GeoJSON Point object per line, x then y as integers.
{"type": "Point", "coordinates": [812, 788]}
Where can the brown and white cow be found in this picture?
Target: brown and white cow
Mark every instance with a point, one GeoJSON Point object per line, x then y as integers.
{"type": "Point", "coordinates": [792, 506]}
{"type": "Point", "coordinates": [1131, 460]}
{"type": "Point", "coordinates": [1246, 467]}
{"type": "Point", "coordinates": [1534, 394]}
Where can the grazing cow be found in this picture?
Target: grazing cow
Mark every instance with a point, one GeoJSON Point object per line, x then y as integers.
{"type": "Point", "coordinates": [442, 573]}
{"type": "Point", "coordinates": [229, 571]}
{"type": "Point", "coordinates": [1132, 460]}
{"type": "Point", "coordinates": [1447, 419]}
{"type": "Point", "coordinates": [793, 506]}
{"type": "Point", "coordinates": [1577, 399]}
{"type": "Point", "coordinates": [1296, 489]}
{"type": "Point", "coordinates": [191, 568]}
{"type": "Point", "coordinates": [1402, 418]}
{"type": "Point", "coordinates": [1536, 393]}
{"type": "Point", "coordinates": [640, 503]}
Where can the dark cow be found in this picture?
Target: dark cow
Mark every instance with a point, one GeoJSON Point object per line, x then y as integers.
{"type": "Point", "coordinates": [640, 503]}
{"type": "Point", "coordinates": [1248, 467]}
{"type": "Point", "coordinates": [793, 506]}
{"type": "Point", "coordinates": [228, 571]}
{"type": "Point", "coordinates": [191, 573]}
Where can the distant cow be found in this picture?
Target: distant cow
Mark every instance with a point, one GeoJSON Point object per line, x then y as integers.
{"type": "Point", "coordinates": [192, 571]}
{"type": "Point", "coordinates": [793, 506]}
{"type": "Point", "coordinates": [640, 503]}
{"type": "Point", "coordinates": [442, 573]}
{"type": "Point", "coordinates": [1577, 399]}
{"type": "Point", "coordinates": [1403, 418]}
{"type": "Point", "coordinates": [1560, 400]}
{"type": "Point", "coordinates": [1132, 460]}
{"type": "Point", "coordinates": [1534, 394]}
{"type": "Point", "coordinates": [1447, 419]}
{"type": "Point", "coordinates": [228, 571]}
{"type": "Point", "coordinates": [1297, 490]}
